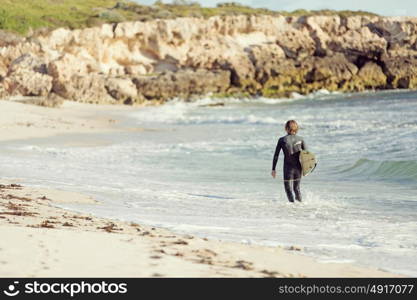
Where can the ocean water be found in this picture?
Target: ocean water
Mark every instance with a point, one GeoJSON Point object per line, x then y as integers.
{"type": "Point", "coordinates": [206, 171]}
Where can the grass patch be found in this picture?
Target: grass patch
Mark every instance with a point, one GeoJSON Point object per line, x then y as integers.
{"type": "Point", "coordinates": [22, 16]}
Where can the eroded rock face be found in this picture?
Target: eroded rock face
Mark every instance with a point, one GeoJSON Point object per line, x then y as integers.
{"type": "Point", "coordinates": [331, 70]}
{"type": "Point", "coordinates": [361, 42]}
{"type": "Point", "coordinates": [372, 76]}
{"type": "Point", "coordinates": [182, 84]}
{"type": "Point", "coordinates": [122, 90]}
{"type": "Point", "coordinates": [7, 39]}
{"type": "Point", "coordinates": [27, 76]}
{"type": "Point", "coordinates": [259, 55]}
{"type": "Point", "coordinates": [28, 83]}
{"type": "Point", "coordinates": [401, 72]}
{"type": "Point", "coordinates": [3, 70]}
{"type": "Point", "coordinates": [65, 72]}
{"type": "Point", "coordinates": [89, 88]}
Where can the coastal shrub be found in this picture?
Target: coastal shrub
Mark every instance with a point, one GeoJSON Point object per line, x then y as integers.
{"type": "Point", "coordinates": [111, 16]}
{"type": "Point", "coordinates": [22, 16]}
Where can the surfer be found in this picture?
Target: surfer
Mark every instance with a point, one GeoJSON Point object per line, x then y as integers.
{"type": "Point", "coordinates": [291, 145]}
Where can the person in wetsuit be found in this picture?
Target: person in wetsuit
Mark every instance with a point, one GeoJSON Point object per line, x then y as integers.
{"type": "Point", "coordinates": [291, 145]}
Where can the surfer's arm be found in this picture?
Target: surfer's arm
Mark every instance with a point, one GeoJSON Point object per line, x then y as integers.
{"type": "Point", "coordinates": [276, 154]}
{"type": "Point", "coordinates": [304, 145]}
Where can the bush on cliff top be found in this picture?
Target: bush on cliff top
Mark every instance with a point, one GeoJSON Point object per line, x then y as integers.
{"type": "Point", "coordinates": [20, 16]}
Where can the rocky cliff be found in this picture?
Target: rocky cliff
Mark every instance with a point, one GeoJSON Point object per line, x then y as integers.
{"type": "Point", "coordinates": [135, 62]}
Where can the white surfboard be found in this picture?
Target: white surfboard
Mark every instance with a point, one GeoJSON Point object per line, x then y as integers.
{"type": "Point", "coordinates": [308, 162]}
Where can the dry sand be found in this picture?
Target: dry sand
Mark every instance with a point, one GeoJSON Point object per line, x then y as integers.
{"type": "Point", "coordinates": [39, 239]}
{"type": "Point", "coordinates": [21, 121]}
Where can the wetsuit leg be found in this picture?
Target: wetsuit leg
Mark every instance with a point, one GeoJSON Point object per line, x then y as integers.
{"type": "Point", "coordinates": [288, 182]}
{"type": "Point", "coordinates": [296, 183]}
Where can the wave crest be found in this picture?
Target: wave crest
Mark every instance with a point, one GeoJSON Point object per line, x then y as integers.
{"type": "Point", "coordinates": [398, 170]}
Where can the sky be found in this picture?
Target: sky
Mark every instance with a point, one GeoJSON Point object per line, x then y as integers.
{"type": "Point", "coordinates": [382, 7]}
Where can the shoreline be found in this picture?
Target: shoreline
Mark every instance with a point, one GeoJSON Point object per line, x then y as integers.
{"type": "Point", "coordinates": [22, 121]}
{"type": "Point", "coordinates": [42, 240]}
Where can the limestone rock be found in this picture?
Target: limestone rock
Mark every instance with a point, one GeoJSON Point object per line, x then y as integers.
{"type": "Point", "coordinates": [183, 84]}
{"type": "Point", "coordinates": [372, 75]}
{"type": "Point", "coordinates": [361, 42]}
{"type": "Point", "coordinates": [28, 83]}
{"type": "Point", "coordinates": [392, 31]}
{"type": "Point", "coordinates": [332, 69]}
{"type": "Point", "coordinates": [183, 57]}
{"type": "Point", "coordinates": [241, 69]}
{"type": "Point", "coordinates": [122, 90]}
{"type": "Point", "coordinates": [3, 90]}
{"type": "Point", "coordinates": [26, 76]}
{"type": "Point", "coordinates": [62, 71]}
{"type": "Point", "coordinates": [9, 39]}
{"type": "Point", "coordinates": [89, 88]}
{"type": "Point", "coordinates": [28, 62]}
{"type": "Point", "coordinates": [321, 29]}
{"type": "Point", "coordinates": [401, 72]}
{"type": "Point", "coordinates": [296, 43]}
{"type": "Point", "coordinates": [133, 70]}
{"type": "Point", "coordinates": [52, 100]}
{"type": "Point", "coordinates": [267, 59]}
{"type": "Point", "coordinates": [3, 70]}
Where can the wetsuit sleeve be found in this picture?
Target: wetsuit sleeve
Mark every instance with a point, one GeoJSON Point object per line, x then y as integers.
{"type": "Point", "coordinates": [276, 154]}
{"type": "Point", "coordinates": [304, 145]}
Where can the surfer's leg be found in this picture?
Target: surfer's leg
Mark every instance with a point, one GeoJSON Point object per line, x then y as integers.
{"type": "Point", "coordinates": [297, 190]}
{"type": "Point", "coordinates": [296, 184]}
{"type": "Point", "coordinates": [288, 183]}
{"type": "Point", "coordinates": [288, 190]}
{"type": "Point", "coordinates": [296, 174]}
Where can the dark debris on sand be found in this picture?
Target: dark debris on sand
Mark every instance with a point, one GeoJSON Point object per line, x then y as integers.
{"type": "Point", "coordinates": [19, 213]}
{"type": "Point", "coordinates": [12, 186]}
{"type": "Point", "coordinates": [111, 227]}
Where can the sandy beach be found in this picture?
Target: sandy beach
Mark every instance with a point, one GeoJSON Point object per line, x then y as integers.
{"type": "Point", "coordinates": [22, 121]}
{"type": "Point", "coordinates": [40, 239]}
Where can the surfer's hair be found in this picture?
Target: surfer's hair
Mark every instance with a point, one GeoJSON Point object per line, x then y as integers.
{"type": "Point", "coordinates": [291, 127]}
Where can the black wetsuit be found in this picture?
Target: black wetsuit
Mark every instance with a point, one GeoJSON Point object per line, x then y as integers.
{"type": "Point", "coordinates": [291, 145]}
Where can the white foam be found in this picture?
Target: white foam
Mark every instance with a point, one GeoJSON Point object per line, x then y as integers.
{"type": "Point", "coordinates": [336, 261]}
{"type": "Point", "coordinates": [340, 247]}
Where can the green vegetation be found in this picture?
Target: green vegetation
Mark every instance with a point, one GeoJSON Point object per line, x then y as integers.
{"type": "Point", "coordinates": [184, 8]}
{"type": "Point", "coordinates": [21, 16]}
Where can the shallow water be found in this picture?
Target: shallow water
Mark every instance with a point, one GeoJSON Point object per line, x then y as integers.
{"type": "Point", "coordinates": [206, 171]}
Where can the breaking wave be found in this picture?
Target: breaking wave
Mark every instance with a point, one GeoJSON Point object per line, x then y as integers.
{"type": "Point", "coordinates": [400, 170]}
